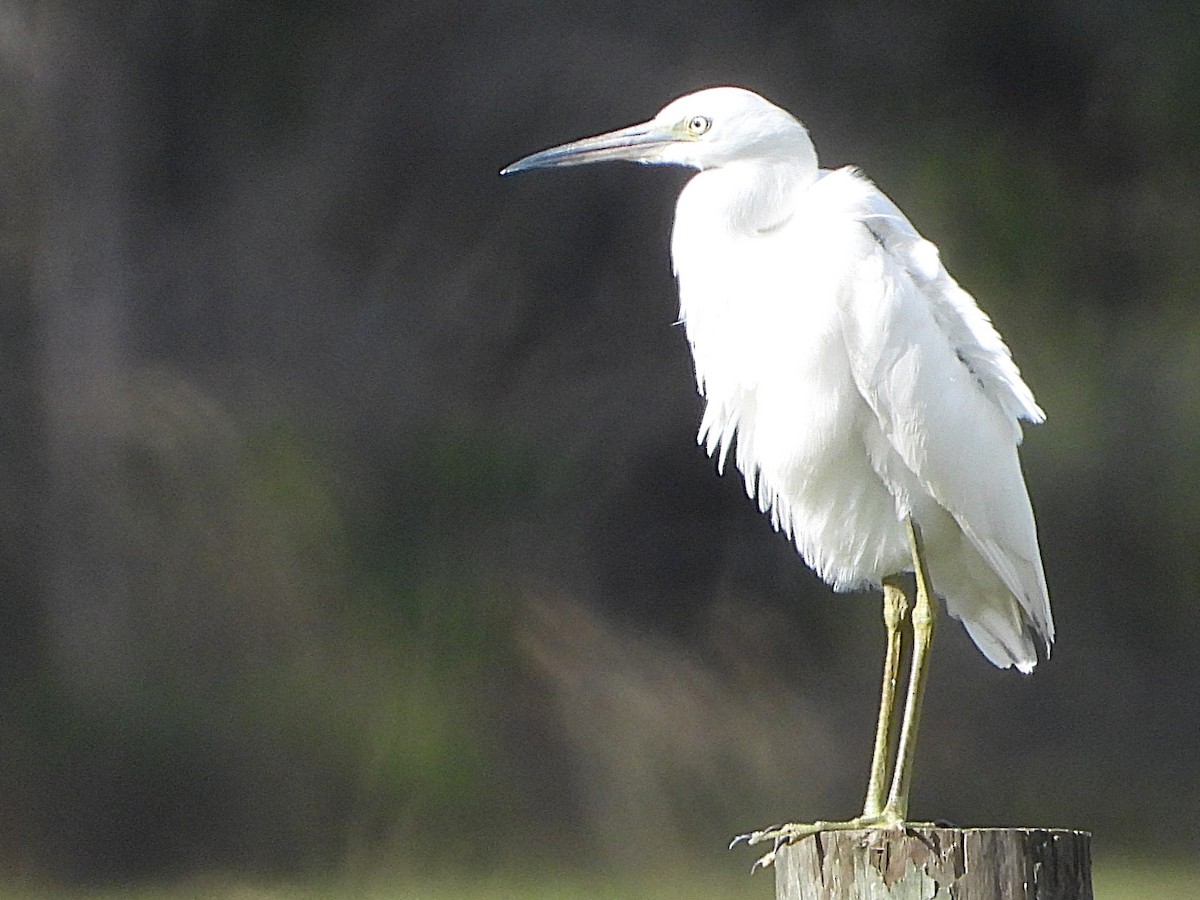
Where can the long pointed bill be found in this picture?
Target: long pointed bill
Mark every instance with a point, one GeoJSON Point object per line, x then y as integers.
{"type": "Point", "coordinates": [637, 143]}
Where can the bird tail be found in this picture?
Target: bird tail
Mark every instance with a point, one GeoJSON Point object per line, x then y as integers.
{"type": "Point", "coordinates": [1006, 627]}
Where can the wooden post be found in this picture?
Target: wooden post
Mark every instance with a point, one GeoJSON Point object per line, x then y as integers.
{"type": "Point", "coordinates": [932, 863]}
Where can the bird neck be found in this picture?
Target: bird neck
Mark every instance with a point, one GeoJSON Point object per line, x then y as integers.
{"type": "Point", "coordinates": [751, 196]}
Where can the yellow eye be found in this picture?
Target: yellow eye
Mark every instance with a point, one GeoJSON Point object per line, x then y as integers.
{"type": "Point", "coordinates": [697, 125]}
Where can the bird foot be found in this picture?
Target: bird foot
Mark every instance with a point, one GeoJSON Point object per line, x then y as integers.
{"type": "Point", "coordinates": [782, 835]}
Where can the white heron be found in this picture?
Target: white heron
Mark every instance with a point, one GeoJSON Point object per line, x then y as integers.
{"type": "Point", "coordinates": [871, 406]}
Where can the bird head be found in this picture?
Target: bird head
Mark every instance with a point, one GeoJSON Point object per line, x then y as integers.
{"type": "Point", "coordinates": [704, 130]}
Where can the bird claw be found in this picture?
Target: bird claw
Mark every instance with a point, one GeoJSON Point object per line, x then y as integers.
{"type": "Point", "coordinates": [780, 836]}
{"type": "Point", "coordinates": [750, 838]}
{"type": "Point", "coordinates": [764, 862]}
{"type": "Point", "coordinates": [784, 835]}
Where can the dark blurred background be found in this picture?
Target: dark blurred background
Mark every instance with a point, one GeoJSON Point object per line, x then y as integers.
{"type": "Point", "coordinates": [350, 508]}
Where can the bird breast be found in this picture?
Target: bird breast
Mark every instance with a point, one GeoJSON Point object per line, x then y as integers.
{"type": "Point", "coordinates": [762, 313]}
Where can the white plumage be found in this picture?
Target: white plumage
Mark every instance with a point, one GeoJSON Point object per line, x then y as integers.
{"type": "Point", "coordinates": [861, 382]}
{"type": "Point", "coordinates": [857, 387]}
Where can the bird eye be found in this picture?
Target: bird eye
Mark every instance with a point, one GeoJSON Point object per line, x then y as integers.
{"type": "Point", "coordinates": [697, 125]}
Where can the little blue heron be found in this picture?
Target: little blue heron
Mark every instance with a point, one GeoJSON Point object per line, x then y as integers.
{"type": "Point", "coordinates": [876, 409]}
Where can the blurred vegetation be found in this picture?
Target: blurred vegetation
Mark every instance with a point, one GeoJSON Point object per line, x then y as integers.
{"type": "Point", "coordinates": [353, 530]}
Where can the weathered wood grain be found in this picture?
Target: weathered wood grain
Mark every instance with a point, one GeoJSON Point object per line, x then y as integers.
{"type": "Point", "coordinates": [930, 863]}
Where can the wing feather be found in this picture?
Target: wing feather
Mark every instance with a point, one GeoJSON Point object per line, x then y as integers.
{"type": "Point", "coordinates": [948, 398]}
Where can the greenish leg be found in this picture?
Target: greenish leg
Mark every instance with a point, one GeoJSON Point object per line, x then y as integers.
{"type": "Point", "coordinates": [895, 610]}
{"type": "Point", "coordinates": [877, 813]}
{"type": "Point", "coordinates": [923, 624]}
